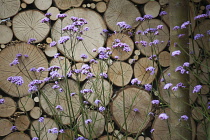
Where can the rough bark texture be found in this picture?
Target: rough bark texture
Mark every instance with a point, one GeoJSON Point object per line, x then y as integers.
{"type": "Point", "coordinates": [179, 99]}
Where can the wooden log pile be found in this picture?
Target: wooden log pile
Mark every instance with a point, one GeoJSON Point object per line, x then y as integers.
{"type": "Point", "coordinates": [129, 113]}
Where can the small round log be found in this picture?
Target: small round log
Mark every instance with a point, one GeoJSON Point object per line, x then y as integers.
{"type": "Point", "coordinates": [164, 59]}
{"type": "Point", "coordinates": [78, 77]}
{"type": "Point", "coordinates": [26, 103]}
{"type": "Point", "coordinates": [30, 26]}
{"type": "Point", "coordinates": [194, 50]}
{"type": "Point", "coordinates": [66, 4]}
{"type": "Point", "coordinates": [41, 129]}
{"type": "Point", "coordinates": [17, 136]}
{"type": "Point", "coordinates": [119, 51]}
{"type": "Point", "coordinates": [23, 5]}
{"type": "Point", "coordinates": [121, 10]}
{"type": "Point", "coordinates": [163, 37]}
{"type": "Point", "coordinates": [152, 8]}
{"type": "Point", "coordinates": [54, 12]}
{"type": "Point", "coordinates": [6, 33]}
{"type": "Point", "coordinates": [107, 138]}
{"type": "Point", "coordinates": [140, 70]}
{"type": "Point", "coordinates": [9, 23]}
{"type": "Point", "coordinates": [63, 63]}
{"type": "Point", "coordinates": [50, 51]}
{"type": "Point", "coordinates": [36, 59]}
{"type": "Point", "coordinates": [9, 8]}
{"type": "Point", "coordinates": [68, 135]}
{"type": "Point", "coordinates": [92, 5]}
{"type": "Point", "coordinates": [163, 2]}
{"type": "Point", "coordinates": [93, 129]}
{"type": "Point", "coordinates": [43, 4]}
{"type": "Point", "coordinates": [92, 38]}
{"type": "Point", "coordinates": [36, 112]}
{"type": "Point", "coordinates": [101, 7]}
{"type": "Point", "coordinates": [22, 123]}
{"type": "Point", "coordinates": [8, 108]}
{"type": "Point", "coordinates": [50, 98]}
{"type": "Point", "coordinates": [100, 67]}
{"type": "Point", "coordinates": [120, 73]}
{"type": "Point", "coordinates": [123, 109]}
{"type": "Point", "coordinates": [197, 113]}
{"type": "Point", "coordinates": [6, 125]}
{"type": "Point", "coordinates": [102, 90]}
{"type": "Point", "coordinates": [28, 1]}
{"type": "Point", "coordinates": [49, 40]}
{"type": "Point", "coordinates": [140, 1]}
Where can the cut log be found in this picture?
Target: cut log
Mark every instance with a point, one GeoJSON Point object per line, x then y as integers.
{"type": "Point", "coordinates": [26, 103]}
{"type": "Point", "coordinates": [36, 99]}
{"type": "Point", "coordinates": [194, 51]}
{"type": "Point", "coordinates": [140, 1]}
{"type": "Point", "coordinates": [50, 51]}
{"type": "Point", "coordinates": [107, 138]}
{"type": "Point", "coordinates": [205, 65]}
{"type": "Point", "coordinates": [102, 90]}
{"type": "Point", "coordinates": [43, 126]}
{"type": "Point", "coordinates": [28, 1]}
{"type": "Point", "coordinates": [197, 113]}
{"type": "Point", "coordinates": [100, 67]}
{"type": "Point", "coordinates": [50, 98]}
{"type": "Point", "coordinates": [161, 128]}
{"type": "Point", "coordinates": [163, 37]}
{"type": "Point", "coordinates": [121, 10]}
{"type": "Point", "coordinates": [165, 78]}
{"type": "Point", "coordinates": [3, 46]}
{"type": "Point", "coordinates": [6, 125]}
{"type": "Point", "coordinates": [23, 5]}
{"type": "Point", "coordinates": [6, 34]}
{"type": "Point", "coordinates": [204, 78]}
{"type": "Point", "coordinates": [36, 112]}
{"type": "Point", "coordinates": [110, 127]}
{"type": "Point", "coordinates": [30, 26]}
{"type": "Point", "coordinates": [101, 7]}
{"type": "Point", "coordinates": [205, 89]}
{"type": "Point", "coordinates": [118, 51]}
{"type": "Point", "coordinates": [141, 138]}
{"type": "Point", "coordinates": [36, 59]}
{"type": "Point", "coordinates": [54, 12]}
{"type": "Point", "coordinates": [202, 100]}
{"type": "Point", "coordinates": [17, 136]}
{"type": "Point", "coordinates": [8, 108]}
{"type": "Point", "coordinates": [9, 8]}
{"type": "Point", "coordinates": [78, 77]}
{"type": "Point", "coordinates": [93, 129]}
{"type": "Point", "coordinates": [66, 4]}
{"type": "Point", "coordinates": [120, 73]}
{"type": "Point", "coordinates": [49, 40]}
{"type": "Point", "coordinates": [202, 132]}
{"type": "Point", "coordinates": [164, 59]}
{"type": "Point", "coordinates": [68, 135]}
{"type": "Point", "coordinates": [122, 109]}
{"type": "Point", "coordinates": [43, 4]}
{"type": "Point", "coordinates": [137, 52]}
{"type": "Point", "coordinates": [9, 23]}
{"type": "Point", "coordinates": [63, 63]}
{"type": "Point", "coordinates": [152, 8]}
{"type": "Point", "coordinates": [88, 5]}
{"type": "Point", "coordinates": [117, 134]}
{"type": "Point", "coordinates": [146, 77]}
{"type": "Point", "coordinates": [22, 123]}
{"type": "Point", "coordinates": [92, 38]}
{"type": "Point", "coordinates": [92, 5]}
{"type": "Point", "coordinates": [163, 2]}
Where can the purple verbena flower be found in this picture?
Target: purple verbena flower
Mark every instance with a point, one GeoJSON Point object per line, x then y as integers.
{"type": "Point", "coordinates": [26, 56]}
{"type": "Point", "coordinates": [53, 130]}
{"type": "Point", "coordinates": [2, 101]}
{"type": "Point", "coordinates": [56, 55]}
{"type": "Point", "coordinates": [197, 88]}
{"type": "Point", "coordinates": [185, 24]}
{"type": "Point", "coordinates": [40, 69]}
{"type": "Point", "coordinates": [201, 16]}
{"type": "Point", "coordinates": [103, 75]}
{"type": "Point", "coordinates": [86, 91]}
{"type": "Point", "coordinates": [83, 56]}
{"type": "Point", "coordinates": [31, 40]}
{"type": "Point", "coordinates": [181, 35]}
{"type": "Point", "coordinates": [175, 88]}
{"type": "Point", "coordinates": [155, 102]}
{"type": "Point", "coordinates": [160, 27]}
{"type": "Point", "coordinates": [72, 94]}
{"type": "Point", "coordinates": [135, 81]}
{"type": "Point", "coordinates": [88, 121]}
{"type": "Point", "coordinates": [176, 28]}
{"type": "Point", "coordinates": [53, 43]}
{"type": "Point", "coordinates": [41, 119]}
{"type": "Point", "coordinates": [61, 16]}
{"type": "Point", "coordinates": [17, 80]}
{"type": "Point", "coordinates": [175, 53]}
{"type": "Point", "coordinates": [148, 87]}
{"type": "Point", "coordinates": [162, 13]}
{"type": "Point", "coordinates": [198, 36]}
{"type": "Point", "coordinates": [97, 101]}
{"type": "Point", "coordinates": [55, 75]}
{"type": "Point", "coordinates": [101, 109]}
{"type": "Point", "coordinates": [136, 110]}
{"type": "Point", "coordinates": [184, 117]}
{"type": "Point", "coordinates": [163, 116]}
{"type": "Point", "coordinates": [14, 62]}
{"type": "Point", "coordinates": [143, 43]}
{"type": "Point", "coordinates": [148, 17]}
{"type": "Point", "coordinates": [59, 108]}
{"type": "Point", "coordinates": [105, 30]}
{"type": "Point", "coordinates": [63, 39]}
{"type": "Point", "coordinates": [152, 130]}
{"type": "Point", "coordinates": [123, 25]}
{"type": "Point", "coordinates": [140, 19]}
{"type": "Point", "coordinates": [13, 128]}
{"type": "Point", "coordinates": [45, 20]}
{"type": "Point", "coordinates": [48, 15]}
{"type": "Point", "coordinates": [79, 38]}
{"type": "Point", "coordinates": [35, 138]}
{"type": "Point", "coordinates": [33, 69]}
{"type": "Point", "coordinates": [61, 131]}
{"type": "Point", "coordinates": [18, 55]}
{"type": "Point", "coordinates": [152, 69]}
{"type": "Point", "coordinates": [186, 64]}
{"type": "Point", "coordinates": [167, 86]}
{"type": "Point", "coordinates": [51, 68]}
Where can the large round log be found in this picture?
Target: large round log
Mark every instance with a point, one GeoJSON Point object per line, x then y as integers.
{"type": "Point", "coordinates": [92, 38]}
{"type": "Point", "coordinates": [30, 26]}
{"type": "Point", "coordinates": [9, 8]}
{"type": "Point", "coordinates": [93, 129]}
{"type": "Point", "coordinates": [163, 37]}
{"type": "Point", "coordinates": [41, 129]}
{"type": "Point", "coordinates": [118, 51]}
{"type": "Point", "coordinates": [8, 108]}
{"type": "Point", "coordinates": [26, 103]}
{"type": "Point", "coordinates": [164, 59]}
{"type": "Point", "coordinates": [6, 125]}
{"type": "Point", "coordinates": [140, 72]}
{"type": "Point", "coordinates": [17, 136]}
{"type": "Point", "coordinates": [22, 123]}
{"type": "Point", "coordinates": [102, 90]}
{"type": "Point", "coordinates": [130, 109]}
{"type": "Point", "coordinates": [35, 58]}
{"type": "Point", "coordinates": [43, 4]}
{"type": "Point", "coordinates": [66, 4]}
{"type": "Point", "coordinates": [6, 34]}
{"type": "Point", "coordinates": [121, 10]}
{"type": "Point", "coordinates": [50, 98]}
{"type": "Point", "coordinates": [120, 73]}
